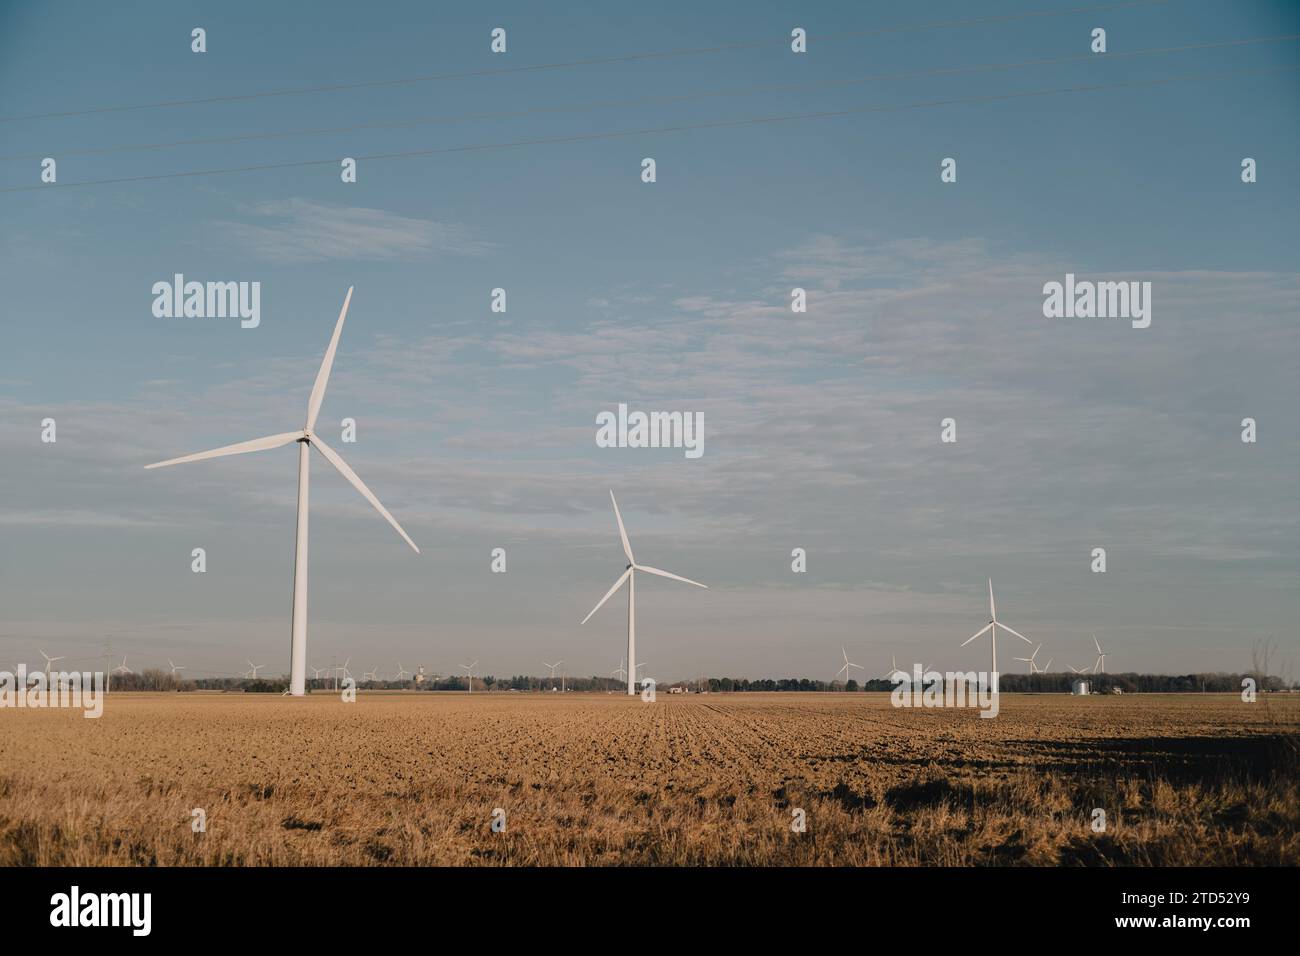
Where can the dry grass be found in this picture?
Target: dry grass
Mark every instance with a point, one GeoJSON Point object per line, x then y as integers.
{"type": "Point", "coordinates": [413, 779]}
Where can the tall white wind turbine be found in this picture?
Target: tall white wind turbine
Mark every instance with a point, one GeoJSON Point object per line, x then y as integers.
{"type": "Point", "coordinates": [253, 669]}
{"type": "Point", "coordinates": [49, 660]}
{"type": "Point", "coordinates": [992, 627]}
{"type": "Point", "coordinates": [847, 664]}
{"type": "Point", "coordinates": [122, 668]}
{"type": "Point", "coordinates": [629, 575]}
{"type": "Point", "coordinates": [305, 436]}
{"type": "Point", "coordinates": [174, 667]}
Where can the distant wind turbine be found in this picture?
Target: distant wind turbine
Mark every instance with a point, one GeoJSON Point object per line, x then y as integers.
{"type": "Point", "coordinates": [1099, 666]}
{"type": "Point", "coordinates": [305, 437]}
{"type": "Point", "coordinates": [174, 667]}
{"type": "Point", "coordinates": [469, 674]}
{"type": "Point", "coordinates": [847, 664]}
{"type": "Point", "coordinates": [1033, 666]}
{"type": "Point", "coordinates": [254, 668]}
{"type": "Point", "coordinates": [401, 671]}
{"type": "Point", "coordinates": [629, 575]}
{"type": "Point", "coordinates": [370, 675]}
{"type": "Point", "coordinates": [122, 668]}
{"type": "Point", "coordinates": [552, 667]}
{"type": "Point", "coordinates": [893, 669]}
{"type": "Point", "coordinates": [620, 671]}
{"type": "Point", "coordinates": [50, 660]}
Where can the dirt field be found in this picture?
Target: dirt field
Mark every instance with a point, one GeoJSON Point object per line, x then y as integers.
{"type": "Point", "coordinates": [414, 779]}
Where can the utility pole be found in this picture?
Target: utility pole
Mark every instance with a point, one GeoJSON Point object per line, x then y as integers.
{"type": "Point", "coordinates": [108, 664]}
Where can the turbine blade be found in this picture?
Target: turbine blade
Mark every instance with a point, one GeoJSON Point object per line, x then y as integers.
{"type": "Point", "coordinates": [617, 584]}
{"type": "Point", "coordinates": [333, 458]}
{"type": "Point", "coordinates": [257, 444]}
{"type": "Point", "coordinates": [323, 376]}
{"type": "Point", "coordinates": [1016, 633]}
{"type": "Point", "coordinates": [675, 577]}
{"type": "Point", "coordinates": [1094, 640]}
{"type": "Point", "coordinates": [992, 611]}
{"type": "Point", "coordinates": [622, 532]}
{"type": "Point", "coordinates": [979, 633]}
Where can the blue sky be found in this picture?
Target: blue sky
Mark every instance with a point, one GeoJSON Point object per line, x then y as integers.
{"type": "Point", "coordinates": [477, 430]}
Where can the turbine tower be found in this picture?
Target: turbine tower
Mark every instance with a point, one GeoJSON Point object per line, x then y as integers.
{"type": "Point", "coordinates": [305, 437]}
{"type": "Point", "coordinates": [847, 664]}
{"type": "Point", "coordinates": [629, 575]}
{"type": "Point", "coordinates": [992, 627]}
{"type": "Point", "coordinates": [469, 674]}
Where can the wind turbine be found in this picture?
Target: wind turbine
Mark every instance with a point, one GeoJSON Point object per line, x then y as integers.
{"type": "Point", "coordinates": [122, 668]}
{"type": "Point", "coordinates": [847, 664]}
{"type": "Point", "coordinates": [1076, 670]}
{"type": "Point", "coordinates": [992, 627]}
{"type": "Point", "coordinates": [401, 671]}
{"type": "Point", "coordinates": [620, 671]}
{"type": "Point", "coordinates": [893, 669]}
{"type": "Point", "coordinates": [305, 436]}
{"type": "Point", "coordinates": [1099, 666]}
{"type": "Point", "coordinates": [552, 667]}
{"type": "Point", "coordinates": [174, 667]}
{"type": "Point", "coordinates": [1033, 666]}
{"type": "Point", "coordinates": [629, 575]}
{"type": "Point", "coordinates": [50, 660]}
{"type": "Point", "coordinates": [371, 675]}
{"type": "Point", "coordinates": [255, 668]}
{"type": "Point", "coordinates": [317, 671]}
{"type": "Point", "coordinates": [469, 674]}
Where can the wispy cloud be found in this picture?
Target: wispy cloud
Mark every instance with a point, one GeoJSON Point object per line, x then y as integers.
{"type": "Point", "coordinates": [299, 231]}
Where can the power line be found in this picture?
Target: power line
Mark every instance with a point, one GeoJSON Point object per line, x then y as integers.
{"type": "Point", "coordinates": [720, 124]}
{"type": "Point", "coordinates": [650, 100]}
{"type": "Point", "coordinates": [591, 61]}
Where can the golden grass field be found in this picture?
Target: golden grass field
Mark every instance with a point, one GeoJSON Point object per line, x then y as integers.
{"type": "Point", "coordinates": [596, 779]}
